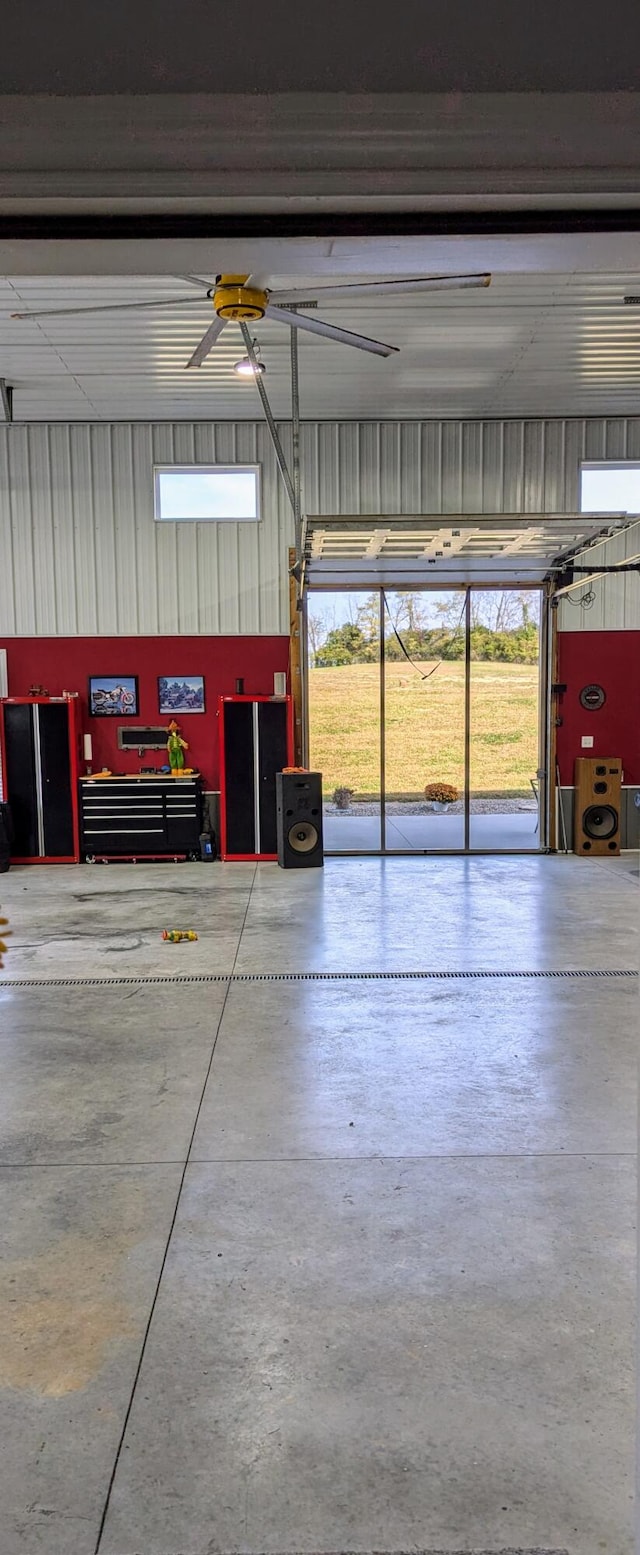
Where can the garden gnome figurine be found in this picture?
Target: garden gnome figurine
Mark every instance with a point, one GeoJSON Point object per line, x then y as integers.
{"type": "Point", "coordinates": [175, 746]}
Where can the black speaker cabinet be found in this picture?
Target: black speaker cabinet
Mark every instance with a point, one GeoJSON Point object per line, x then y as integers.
{"type": "Point", "coordinates": [596, 812]}
{"type": "Point", "coordinates": [299, 796]}
{"type": "Point", "coordinates": [256, 741]}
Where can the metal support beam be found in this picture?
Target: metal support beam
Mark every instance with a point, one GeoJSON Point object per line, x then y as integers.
{"type": "Point", "coordinates": [295, 428]}
{"type": "Point", "coordinates": [383, 726]}
{"type": "Point", "coordinates": [6, 400]}
{"type": "Point", "coordinates": [585, 575]}
{"type": "Point", "coordinates": [296, 662]}
{"type": "Point", "coordinates": [547, 723]}
{"type": "Point", "coordinates": [279, 451]}
{"type": "Point", "coordinates": [467, 721]}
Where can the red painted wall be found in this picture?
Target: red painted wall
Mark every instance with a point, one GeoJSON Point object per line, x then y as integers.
{"type": "Point", "coordinates": [610, 660]}
{"type": "Point", "coordinates": [65, 664]}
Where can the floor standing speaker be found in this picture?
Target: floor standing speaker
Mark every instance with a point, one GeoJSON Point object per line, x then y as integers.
{"type": "Point", "coordinates": [299, 817]}
{"type": "Point", "coordinates": [596, 813]}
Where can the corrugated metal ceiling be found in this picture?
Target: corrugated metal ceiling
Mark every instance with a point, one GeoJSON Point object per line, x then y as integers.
{"type": "Point", "coordinates": [532, 345]}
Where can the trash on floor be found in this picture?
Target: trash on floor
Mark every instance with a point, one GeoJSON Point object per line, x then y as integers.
{"type": "Point", "coordinates": [174, 936]}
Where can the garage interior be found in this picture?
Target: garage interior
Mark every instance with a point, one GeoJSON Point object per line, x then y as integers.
{"type": "Point", "coordinates": [319, 1230]}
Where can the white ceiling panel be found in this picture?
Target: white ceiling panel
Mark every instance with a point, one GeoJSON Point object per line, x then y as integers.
{"type": "Point", "coordinates": [533, 344]}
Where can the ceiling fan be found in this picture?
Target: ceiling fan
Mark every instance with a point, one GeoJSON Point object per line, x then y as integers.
{"type": "Point", "coordinates": [248, 298]}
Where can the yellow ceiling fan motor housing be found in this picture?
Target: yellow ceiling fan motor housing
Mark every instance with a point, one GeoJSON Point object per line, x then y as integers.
{"type": "Point", "coordinates": [233, 300]}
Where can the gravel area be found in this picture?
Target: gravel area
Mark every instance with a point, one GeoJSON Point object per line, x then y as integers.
{"type": "Point", "coordinates": [421, 807]}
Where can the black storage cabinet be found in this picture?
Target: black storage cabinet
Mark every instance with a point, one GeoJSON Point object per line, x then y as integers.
{"type": "Point", "coordinates": [255, 744]}
{"type": "Point", "coordinates": [6, 835]}
{"type": "Point", "coordinates": [140, 817]}
{"type": "Point", "coordinates": [39, 779]}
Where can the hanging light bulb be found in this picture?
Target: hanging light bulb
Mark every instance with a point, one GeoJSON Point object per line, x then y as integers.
{"type": "Point", "coordinates": [245, 367]}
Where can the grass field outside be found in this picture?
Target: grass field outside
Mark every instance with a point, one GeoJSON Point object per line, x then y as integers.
{"type": "Point", "coordinates": [425, 728]}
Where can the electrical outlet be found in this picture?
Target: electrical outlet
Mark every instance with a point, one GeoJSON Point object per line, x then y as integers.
{"type": "Point", "coordinates": [587, 742]}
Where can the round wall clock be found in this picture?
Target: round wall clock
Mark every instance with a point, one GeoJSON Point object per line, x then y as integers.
{"type": "Point", "coordinates": [593, 697]}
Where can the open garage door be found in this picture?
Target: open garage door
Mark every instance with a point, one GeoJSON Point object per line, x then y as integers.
{"type": "Point", "coordinates": [515, 550]}
{"type": "Point", "coordinates": [429, 653]}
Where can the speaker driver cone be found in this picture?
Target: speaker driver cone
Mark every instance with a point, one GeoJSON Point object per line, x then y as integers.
{"type": "Point", "coordinates": [303, 837]}
{"type": "Point", "coordinates": [600, 821]}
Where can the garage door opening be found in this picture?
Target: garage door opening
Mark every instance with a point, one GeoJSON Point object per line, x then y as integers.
{"type": "Point", "coordinates": [425, 718]}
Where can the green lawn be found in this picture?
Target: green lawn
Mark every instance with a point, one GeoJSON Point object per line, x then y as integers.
{"type": "Point", "coordinates": [425, 727]}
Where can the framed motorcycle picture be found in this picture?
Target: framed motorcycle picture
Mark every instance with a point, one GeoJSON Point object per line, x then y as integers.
{"type": "Point", "coordinates": [112, 696]}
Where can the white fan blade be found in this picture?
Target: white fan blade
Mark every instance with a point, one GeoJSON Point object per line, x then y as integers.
{"type": "Point", "coordinates": [114, 307]}
{"type": "Point", "coordinates": [355, 289]}
{"type": "Point", "coordinates": [258, 282]}
{"type": "Point", "coordinates": [315, 326]}
{"type": "Point", "coordinates": [207, 343]}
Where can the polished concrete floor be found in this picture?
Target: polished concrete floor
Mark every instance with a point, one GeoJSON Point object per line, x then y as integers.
{"type": "Point", "coordinates": [339, 1263]}
{"type": "Point", "coordinates": [431, 833]}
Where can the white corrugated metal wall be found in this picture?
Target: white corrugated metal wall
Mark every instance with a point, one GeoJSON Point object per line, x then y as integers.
{"type": "Point", "coordinates": [81, 554]}
{"type": "Point", "coordinates": [610, 604]}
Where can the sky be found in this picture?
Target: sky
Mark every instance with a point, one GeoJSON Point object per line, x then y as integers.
{"type": "Point", "coordinates": [206, 494]}
{"type": "Point", "coordinates": [610, 489]}
{"type": "Point", "coordinates": [334, 610]}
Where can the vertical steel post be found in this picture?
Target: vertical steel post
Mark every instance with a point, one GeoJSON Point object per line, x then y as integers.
{"type": "Point", "coordinates": [297, 533]}
{"type": "Point", "coordinates": [467, 718]}
{"type": "Point", "coordinates": [279, 451]}
{"type": "Point", "coordinates": [295, 428]}
{"type": "Point", "coordinates": [383, 745]}
{"type": "Point", "coordinates": [304, 668]}
{"type": "Point", "coordinates": [546, 757]}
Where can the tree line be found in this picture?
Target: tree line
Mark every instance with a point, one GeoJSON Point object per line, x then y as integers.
{"type": "Point", "coordinates": [504, 629]}
{"type": "Point", "coordinates": [348, 645]}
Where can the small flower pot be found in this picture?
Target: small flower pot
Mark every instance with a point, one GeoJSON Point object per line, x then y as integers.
{"type": "Point", "coordinates": [342, 799]}
{"type": "Point", "coordinates": [438, 806]}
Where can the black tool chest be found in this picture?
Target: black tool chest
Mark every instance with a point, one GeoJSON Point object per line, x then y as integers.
{"type": "Point", "coordinates": [133, 817]}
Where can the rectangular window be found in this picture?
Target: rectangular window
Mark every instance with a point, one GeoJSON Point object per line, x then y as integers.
{"type": "Point", "coordinates": [207, 493]}
{"type": "Point", "coordinates": [610, 487]}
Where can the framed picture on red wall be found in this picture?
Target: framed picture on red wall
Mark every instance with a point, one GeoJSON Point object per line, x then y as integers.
{"type": "Point", "coordinates": [113, 696]}
{"type": "Point", "coordinates": [181, 694]}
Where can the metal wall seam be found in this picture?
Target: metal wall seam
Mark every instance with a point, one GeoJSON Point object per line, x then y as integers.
{"type": "Point", "coordinates": [64, 584]}
{"type": "Point", "coordinates": [147, 553]}
{"type": "Point", "coordinates": [18, 517]}
{"type": "Point", "coordinates": [7, 571]}
{"type": "Point", "coordinates": [124, 536]}
{"type": "Point", "coordinates": [410, 469]}
{"type": "Point", "coordinates": [102, 478]}
{"type": "Point", "coordinates": [43, 568]}
{"type": "Point", "coordinates": [390, 481]}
